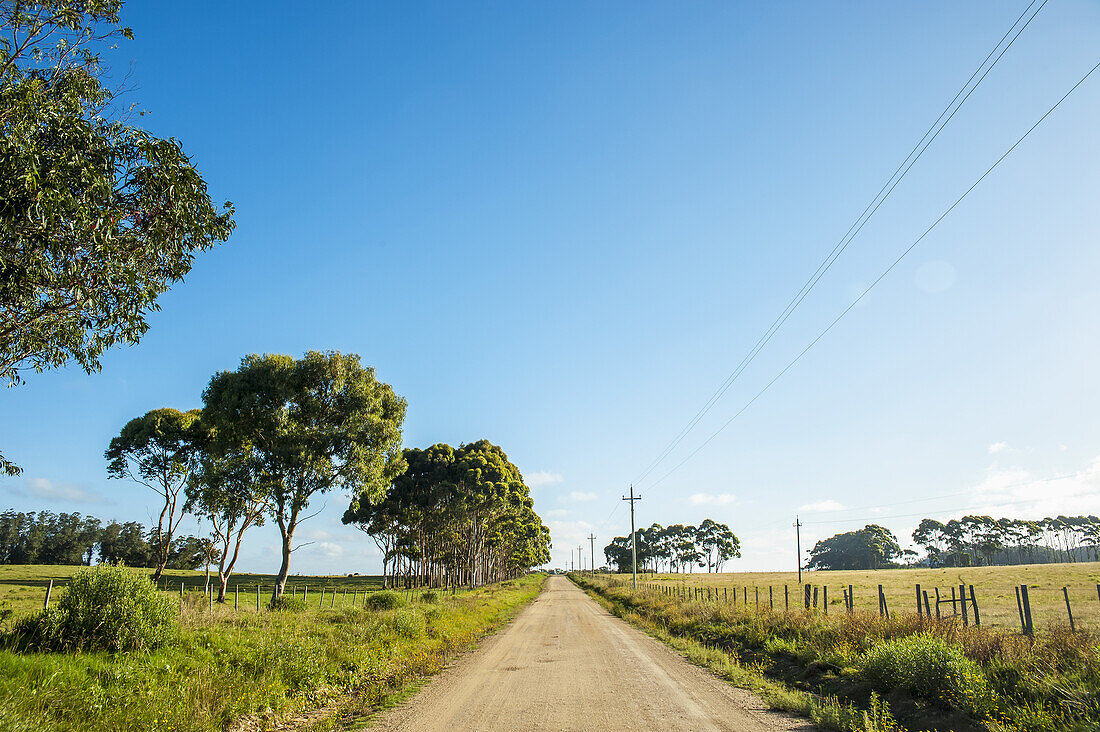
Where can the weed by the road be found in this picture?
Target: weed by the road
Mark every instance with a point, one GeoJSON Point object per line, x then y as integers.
{"type": "Point", "coordinates": [933, 674]}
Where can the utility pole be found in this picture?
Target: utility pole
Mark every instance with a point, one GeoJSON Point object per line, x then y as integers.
{"type": "Point", "coordinates": [580, 558]}
{"type": "Point", "coordinates": [592, 551]}
{"type": "Point", "coordinates": [798, 545]}
{"type": "Point", "coordinates": [633, 537]}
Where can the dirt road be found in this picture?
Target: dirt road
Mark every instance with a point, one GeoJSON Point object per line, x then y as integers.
{"type": "Point", "coordinates": [566, 664]}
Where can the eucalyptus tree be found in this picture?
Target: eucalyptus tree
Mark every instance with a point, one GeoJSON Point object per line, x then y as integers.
{"type": "Point", "coordinates": [231, 490]}
{"type": "Point", "coordinates": [160, 451]}
{"type": "Point", "coordinates": [315, 424]}
{"type": "Point", "coordinates": [98, 217]}
{"type": "Point", "coordinates": [455, 515]}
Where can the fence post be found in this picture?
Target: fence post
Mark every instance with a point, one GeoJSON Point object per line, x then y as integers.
{"type": "Point", "coordinates": [927, 610]}
{"type": "Point", "coordinates": [815, 597]}
{"type": "Point", "coordinates": [954, 606]}
{"type": "Point", "coordinates": [851, 600]}
{"type": "Point", "coordinates": [1020, 609]}
{"type": "Point", "coordinates": [321, 602]}
{"type": "Point", "coordinates": [1029, 627]}
{"type": "Point", "coordinates": [181, 600]}
{"type": "Point", "coordinates": [962, 600]}
{"type": "Point", "coordinates": [746, 596]}
{"type": "Point", "coordinates": [806, 597]}
{"type": "Point", "coordinates": [236, 597]}
{"type": "Point", "coordinates": [332, 602]}
{"type": "Point", "coordinates": [937, 603]}
{"type": "Point", "coordinates": [49, 589]}
{"type": "Point", "coordinates": [771, 599]}
{"type": "Point", "coordinates": [786, 598]}
{"type": "Point", "coordinates": [757, 597]}
{"type": "Point", "coordinates": [974, 604]}
{"type": "Point", "coordinates": [825, 598]}
{"type": "Point", "coordinates": [880, 601]}
{"type": "Point", "coordinates": [919, 613]}
{"type": "Point", "coordinates": [1069, 610]}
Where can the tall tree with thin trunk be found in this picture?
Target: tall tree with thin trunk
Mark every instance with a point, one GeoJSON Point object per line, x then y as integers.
{"type": "Point", "coordinates": [160, 451]}
{"type": "Point", "coordinates": [316, 424]}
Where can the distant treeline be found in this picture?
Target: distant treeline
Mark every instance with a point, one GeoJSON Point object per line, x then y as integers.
{"type": "Point", "coordinates": [678, 547]}
{"type": "Point", "coordinates": [966, 542]}
{"type": "Point", "coordinates": [70, 538]}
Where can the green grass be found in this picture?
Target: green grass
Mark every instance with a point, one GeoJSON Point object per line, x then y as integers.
{"type": "Point", "coordinates": [994, 587]}
{"type": "Point", "coordinates": [860, 671]}
{"type": "Point", "coordinates": [228, 665]}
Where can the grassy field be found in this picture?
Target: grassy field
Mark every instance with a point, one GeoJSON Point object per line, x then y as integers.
{"type": "Point", "coordinates": [861, 672]}
{"type": "Point", "coordinates": [322, 668]}
{"type": "Point", "coordinates": [993, 587]}
{"type": "Point", "coordinates": [23, 587]}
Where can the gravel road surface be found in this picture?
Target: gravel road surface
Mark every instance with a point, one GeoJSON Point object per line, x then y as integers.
{"type": "Point", "coordinates": [567, 664]}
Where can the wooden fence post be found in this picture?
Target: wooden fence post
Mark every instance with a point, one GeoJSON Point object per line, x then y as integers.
{"type": "Point", "coordinates": [937, 603]}
{"type": "Point", "coordinates": [851, 600]}
{"type": "Point", "coordinates": [757, 597]}
{"type": "Point", "coordinates": [1069, 610]}
{"type": "Point", "coordinates": [954, 606]}
{"type": "Point", "coordinates": [962, 600]}
{"type": "Point", "coordinates": [815, 597]}
{"type": "Point", "coordinates": [927, 610]}
{"type": "Point", "coordinates": [825, 598]}
{"type": "Point", "coordinates": [771, 599]}
{"type": "Point", "coordinates": [786, 598]}
{"type": "Point", "coordinates": [1020, 609]}
{"type": "Point", "coordinates": [49, 589]}
{"type": "Point", "coordinates": [919, 613]}
{"type": "Point", "coordinates": [746, 595]}
{"type": "Point", "coordinates": [974, 605]}
{"type": "Point", "coordinates": [332, 602]}
{"type": "Point", "coordinates": [1029, 627]}
{"type": "Point", "coordinates": [806, 597]}
{"type": "Point", "coordinates": [880, 601]}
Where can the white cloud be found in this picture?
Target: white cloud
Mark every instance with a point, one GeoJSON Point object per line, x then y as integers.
{"type": "Point", "coordinates": [48, 490]}
{"type": "Point", "coordinates": [582, 496]}
{"type": "Point", "coordinates": [820, 506]}
{"type": "Point", "coordinates": [1019, 493]}
{"type": "Point", "coordinates": [708, 499]}
{"type": "Point", "coordinates": [331, 550]}
{"type": "Point", "coordinates": [556, 513]}
{"type": "Point", "coordinates": [997, 447]}
{"type": "Point", "coordinates": [541, 478]}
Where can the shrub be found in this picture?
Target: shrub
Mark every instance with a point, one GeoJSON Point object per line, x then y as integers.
{"type": "Point", "coordinates": [104, 608]}
{"type": "Point", "coordinates": [408, 622]}
{"type": "Point", "coordinates": [289, 604]}
{"type": "Point", "coordinates": [927, 666]}
{"type": "Point", "coordinates": [429, 596]}
{"type": "Point", "coordinates": [384, 600]}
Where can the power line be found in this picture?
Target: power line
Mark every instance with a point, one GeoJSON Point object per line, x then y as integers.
{"type": "Point", "coordinates": [884, 192]}
{"type": "Point", "coordinates": [882, 276]}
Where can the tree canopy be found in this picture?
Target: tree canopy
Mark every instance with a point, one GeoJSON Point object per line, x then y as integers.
{"type": "Point", "coordinates": [312, 425]}
{"type": "Point", "coordinates": [97, 216]}
{"type": "Point", "coordinates": [159, 450]}
{"type": "Point", "coordinates": [872, 547]}
{"type": "Point", "coordinates": [455, 515]}
{"type": "Point", "coordinates": [678, 547]}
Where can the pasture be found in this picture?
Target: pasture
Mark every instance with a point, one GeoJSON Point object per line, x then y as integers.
{"type": "Point", "coordinates": [243, 669]}
{"type": "Point", "coordinates": [993, 587]}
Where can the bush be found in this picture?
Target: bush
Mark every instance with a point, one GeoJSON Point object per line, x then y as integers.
{"type": "Point", "coordinates": [289, 604]}
{"type": "Point", "coordinates": [104, 608]}
{"type": "Point", "coordinates": [927, 666]}
{"type": "Point", "coordinates": [408, 622]}
{"type": "Point", "coordinates": [384, 600]}
{"type": "Point", "coordinates": [429, 596]}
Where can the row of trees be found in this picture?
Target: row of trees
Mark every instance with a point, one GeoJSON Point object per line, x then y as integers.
{"type": "Point", "coordinates": [969, 541]}
{"type": "Point", "coordinates": [679, 548]}
{"type": "Point", "coordinates": [454, 516]}
{"type": "Point", "coordinates": [69, 538]}
{"type": "Point", "coordinates": [990, 541]}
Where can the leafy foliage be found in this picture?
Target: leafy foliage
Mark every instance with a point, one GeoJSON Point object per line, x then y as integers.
{"type": "Point", "coordinates": [679, 547]}
{"type": "Point", "coordinates": [871, 547]}
{"type": "Point", "coordinates": [97, 217]}
{"type": "Point", "coordinates": [104, 607]}
{"type": "Point", "coordinates": [383, 600]}
{"type": "Point", "coordinates": [460, 516]}
{"type": "Point", "coordinates": [314, 424]}
{"type": "Point", "coordinates": [929, 667]}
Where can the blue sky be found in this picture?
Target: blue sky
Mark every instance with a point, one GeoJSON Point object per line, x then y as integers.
{"type": "Point", "coordinates": [560, 226]}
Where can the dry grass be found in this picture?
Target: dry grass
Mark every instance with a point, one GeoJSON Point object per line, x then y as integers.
{"type": "Point", "coordinates": [994, 587]}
